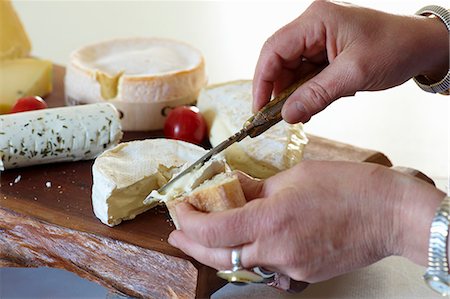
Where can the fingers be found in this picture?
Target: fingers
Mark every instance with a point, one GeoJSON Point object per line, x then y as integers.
{"type": "Point", "coordinates": [336, 80]}
{"type": "Point", "coordinates": [220, 258]}
{"type": "Point", "coordinates": [252, 187]}
{"type": "Point", "coordinates": [285, 46]}
{"type": "Point", "coordinates": [282, 53]}
{"type": "Point", "coordinates": [208, 228]}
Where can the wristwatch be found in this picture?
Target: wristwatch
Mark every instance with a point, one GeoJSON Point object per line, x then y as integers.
{"type": "Point", "coordinates": [437, 276]}
{"type": "Point", "coordinates": [423, 82]}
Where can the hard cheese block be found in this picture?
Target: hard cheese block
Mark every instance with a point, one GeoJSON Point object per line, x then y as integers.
{"type": "Point", "coordinates": [14, 41]}
{"type": "Point", "coordinates": [23, 77]}
{"type": "Point", "coordinates": [226, 108]}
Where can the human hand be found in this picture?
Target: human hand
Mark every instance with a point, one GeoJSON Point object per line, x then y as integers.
{"type": "Point", "coordinates": [315, 221]}
{"type": "Point", "coordinates": [364, 49]}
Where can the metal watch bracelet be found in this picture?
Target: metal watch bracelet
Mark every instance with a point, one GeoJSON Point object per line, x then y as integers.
{"type": "Point", "coordinates": [437, 276]}
{"type": "Point", "coordinates": [423, 82]}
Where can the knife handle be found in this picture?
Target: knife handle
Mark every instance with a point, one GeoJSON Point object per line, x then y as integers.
{"type": "Point", "coordinates": [270, 114]}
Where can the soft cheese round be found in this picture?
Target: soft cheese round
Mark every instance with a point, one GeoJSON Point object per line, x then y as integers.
{"type": "Point", "coordinates": [123, 176]}
{"type": "Point", "coordinates": [140, 76]}
{"type": "Point", "coordinates": [226, 107]}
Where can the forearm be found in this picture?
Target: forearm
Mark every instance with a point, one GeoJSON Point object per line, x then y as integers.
{"type": "Point", "coordinates": [419, 204]}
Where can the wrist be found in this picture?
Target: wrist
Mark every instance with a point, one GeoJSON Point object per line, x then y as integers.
{"type": "Point", "coordinates": [418, 206]}
{"type": "Point", "coordinates": [432, 42]}
{"type": "Point", "coordinates": [436, 63]}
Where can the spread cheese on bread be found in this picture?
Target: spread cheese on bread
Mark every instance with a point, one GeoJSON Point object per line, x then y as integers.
{"type": "Point", "coordinates": [123, 176]}
{"type": "Point", "coordinates": [187, 183]}
{"type": "Point", "coordinates": [222, 192]}
{"type": "Point", "coordinates": [226, 107]}
{"type": "Point", "coordinates": [140, 76]}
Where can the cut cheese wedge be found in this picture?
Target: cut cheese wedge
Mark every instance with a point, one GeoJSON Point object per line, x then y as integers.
{"type": "Point", "coordinates": [140, 76]}
{"type": "Point", "coordinates": [226, 107]}
{"type": "Point", "coordinates": [14, 42]}
{"type": "Point", "coordinates": [23, 77]}
{"type": "Point", "coordinates": [57, 135]}
{"type": "Point", "coordinates": [125, 175]}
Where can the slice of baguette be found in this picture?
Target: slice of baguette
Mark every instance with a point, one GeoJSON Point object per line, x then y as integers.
{"type": "Point", "coordinates": [222, 192]}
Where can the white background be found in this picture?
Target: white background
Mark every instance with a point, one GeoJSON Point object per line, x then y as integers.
{"type": "Point", "coordinates": [408, 125]}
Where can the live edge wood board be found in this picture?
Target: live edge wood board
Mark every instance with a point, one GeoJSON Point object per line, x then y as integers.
{"type": "Point", "coordinates": [55, 226]}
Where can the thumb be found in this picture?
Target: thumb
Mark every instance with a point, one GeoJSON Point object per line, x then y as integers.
{"type": "Point", "coordinates": [338, 79]}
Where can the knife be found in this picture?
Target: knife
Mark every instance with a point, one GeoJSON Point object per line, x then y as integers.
{"type": "Point", "coordinates": [264, 119]}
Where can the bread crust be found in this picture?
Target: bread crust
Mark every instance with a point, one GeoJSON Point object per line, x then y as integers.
{"type": "Point", "coordinates": [224, 195]}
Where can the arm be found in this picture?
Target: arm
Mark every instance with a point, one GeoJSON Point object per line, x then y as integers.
{"type": "Point", "coordinates": [365, 50]}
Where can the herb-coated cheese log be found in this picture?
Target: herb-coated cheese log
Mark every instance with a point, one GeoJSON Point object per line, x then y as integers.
{"type": "Point", "coordinates": [57, 134]}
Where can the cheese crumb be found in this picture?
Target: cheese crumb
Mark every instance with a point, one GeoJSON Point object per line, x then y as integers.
{"type": "Point", "coordinates": [17, 179]}
{"type": "Point", "coordinates": [48, 184]}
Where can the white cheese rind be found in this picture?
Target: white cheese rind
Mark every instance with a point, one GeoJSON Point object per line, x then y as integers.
{"type": "Point", "coordinates": [57, 134]}
{"type": "Point", "coordinates": [140, 76]}
{"type": "Point", "coordinates": [226, 107]}
{"type": "Point", "coordinates": [123, 176]}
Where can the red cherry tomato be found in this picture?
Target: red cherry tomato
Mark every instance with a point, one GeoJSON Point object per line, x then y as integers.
{"type": "Point", "coordinates": [185, 123]}
{"type": "Point", "coordinates": [29, 104]}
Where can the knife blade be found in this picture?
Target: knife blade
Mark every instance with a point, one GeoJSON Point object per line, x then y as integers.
{"type": "Point", "coordinates": [264, 119]}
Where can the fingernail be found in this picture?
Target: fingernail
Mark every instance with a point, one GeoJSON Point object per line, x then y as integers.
{"type": "Point", "coordinates": [294, 112]}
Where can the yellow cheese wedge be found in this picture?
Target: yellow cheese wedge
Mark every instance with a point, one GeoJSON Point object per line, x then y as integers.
{"type": "Point", "coordinates": [23, 77]}
{"type": "Point", "coordinates": [14, 42]}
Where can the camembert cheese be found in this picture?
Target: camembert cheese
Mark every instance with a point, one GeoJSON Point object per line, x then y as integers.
{"type": "Point", "coordinates": [123, 176]}
{"type": "Point", "coordinates": [14, 42]}
{"type": "Point", "coordinates": [140, 76]}
{"type": "Point", "coordinates": [226, 107]}
{"type": "Point", "coordinates": [23, 77]}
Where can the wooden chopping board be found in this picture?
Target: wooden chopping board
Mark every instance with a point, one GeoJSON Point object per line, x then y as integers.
{"type": "Point", "coordinates": [54, 226]}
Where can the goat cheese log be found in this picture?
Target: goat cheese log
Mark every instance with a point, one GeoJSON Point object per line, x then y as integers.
{"type": "Point", "coordinates": [57, 134]}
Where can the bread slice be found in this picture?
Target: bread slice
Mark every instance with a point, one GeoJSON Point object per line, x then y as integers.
{"type": "Point", "coordinates": [222, 192]}
{"type": "Point", "coordinates": [226, 107]}
{"type": "Point", "coordinates": [140, 76]}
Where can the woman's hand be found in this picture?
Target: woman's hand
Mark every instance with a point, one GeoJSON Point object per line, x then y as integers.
{"type": "Point", "coordinates": [315, 221]}
{"type": "Point", "coordinates": [364, 49]}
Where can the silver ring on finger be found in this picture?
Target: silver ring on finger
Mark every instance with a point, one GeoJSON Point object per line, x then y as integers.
{"type": "Point", "coordinates": [239, 275]}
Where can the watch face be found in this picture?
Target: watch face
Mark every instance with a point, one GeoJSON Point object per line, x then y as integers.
{"type": "Point", "coordinates": [437, 284]}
